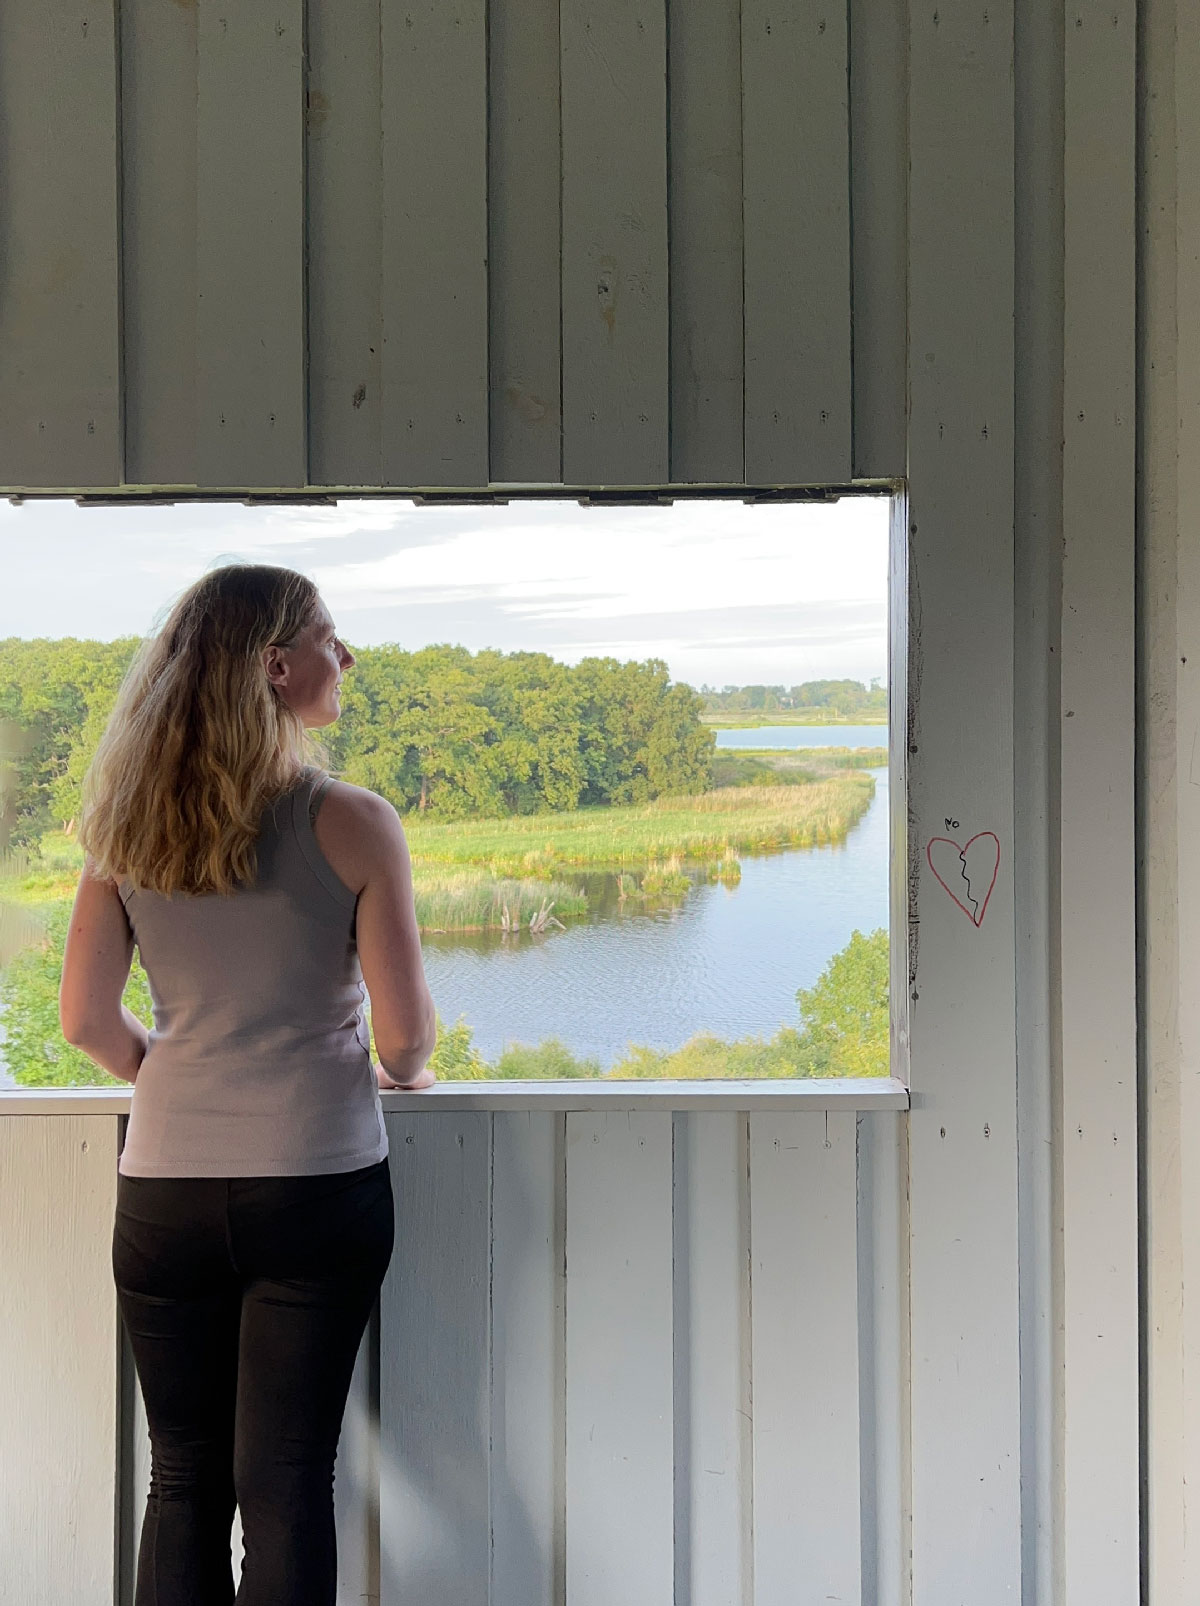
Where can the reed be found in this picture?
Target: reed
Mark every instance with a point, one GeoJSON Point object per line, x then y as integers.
{"type": "Point", "coordinates": [499, 874]}
{"type": "Point", "coordinates": [714, 826]}
{"type": "Point", "coordinates": [475, 900]}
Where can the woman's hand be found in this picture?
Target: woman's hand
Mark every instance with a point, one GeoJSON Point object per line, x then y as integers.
{"type": "Point", "coordinates": [425, 1078]}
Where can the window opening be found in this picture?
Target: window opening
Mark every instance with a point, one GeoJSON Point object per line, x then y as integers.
{"type": "Point", "coordinates": [640, 752]}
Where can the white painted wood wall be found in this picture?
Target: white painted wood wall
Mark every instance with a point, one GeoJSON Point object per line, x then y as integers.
{"type": "Point", "coordinates": [622, 1355]}
{"type": "Point", "coordinates": [356, 243]}
{"type": "Point", "coordinates": [1020, 335]}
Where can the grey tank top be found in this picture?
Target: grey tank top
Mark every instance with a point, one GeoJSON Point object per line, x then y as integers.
{"type": "Point", "coordinates": [259, 1061]}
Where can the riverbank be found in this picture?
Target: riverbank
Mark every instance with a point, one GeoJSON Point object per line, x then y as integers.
{"type": "Point", "coordinates": [515, 872]}
{"type": "Point", "coordinates": [706, 829]}
{"type": "Point", "coordinates": [689, 980]}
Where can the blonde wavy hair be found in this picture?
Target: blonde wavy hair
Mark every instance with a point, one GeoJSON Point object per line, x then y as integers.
{"type": "Point", "coordinates": [199, 742]}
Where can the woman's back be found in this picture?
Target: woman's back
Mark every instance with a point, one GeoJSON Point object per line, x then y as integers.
{"type": "Point", "coordinates": [259, 1061]}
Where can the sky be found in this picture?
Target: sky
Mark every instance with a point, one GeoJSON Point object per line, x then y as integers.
{"type": "Point", "coordinates": [727, 594]}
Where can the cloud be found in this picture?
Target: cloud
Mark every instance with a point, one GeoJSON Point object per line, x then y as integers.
{"type": "Point", "coordinates": [778, 591]}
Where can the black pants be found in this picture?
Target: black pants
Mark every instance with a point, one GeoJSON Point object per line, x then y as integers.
{"type": "Point", "coordinates": [246, 1300]}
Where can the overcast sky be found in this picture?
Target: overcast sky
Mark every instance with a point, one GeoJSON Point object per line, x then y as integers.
{"type": "Point", "coordinates": [723, 592]}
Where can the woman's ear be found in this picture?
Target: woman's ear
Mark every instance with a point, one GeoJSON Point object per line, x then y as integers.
{"type": "Point", "coordinates": [276, 666]}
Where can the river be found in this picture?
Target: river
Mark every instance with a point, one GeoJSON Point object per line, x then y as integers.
{"type": "Point", "coordinates": [726, 960]}
{"type": "Point", "coordinates": [804, 736]}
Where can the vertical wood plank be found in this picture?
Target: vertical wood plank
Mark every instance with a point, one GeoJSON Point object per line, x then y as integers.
{"type": "Point", "coordinates": [434, 1411]}
{"type": "Point", "coordinates": [795, 140]}
{"type": "Point", "coordinates": [965, 1381]}
{"type": "Point", "coordinates": [435, 304]}
{"type": "Point", "coordinates": [705, 186]}
{"type": "Point", "coordinates": [619, 1359]}
{"type": "Point", "coordinates": [616, 371]}
{"type": "Point", "coordinates": [528, 1358]}
{"type": "Point", "coordinates": [250, 338]}
{"type": "Point", "coordinates": [1168, 504]}
{"type": "Point", "coordinates": [879, 249]}
{"type": "Point", "coordinates": [525, 242]}
{"type": "Point", "coordinates": [713, 1514]}
{"type": "Point", "coordinates": [804, 1324]}
{"type": "Point", "coordinates": [883, 1357]}
{"type": "Point", "coordinates": [343, 146]}
{"type": "Point", "coordinates": [1099, 1190]}
{"type": "Point", "coordinates": [60, 384]}
{"type": "Point", "coordinates": [158, 240]}
{"type": "Point", "coordinates": [1037, 606]}
{"type": "Point", "coordinates": [58, 1358]}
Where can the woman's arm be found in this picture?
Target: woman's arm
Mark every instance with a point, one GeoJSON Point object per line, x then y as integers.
{"type": "Point", "coordinates": [403, 1018]}
{"type": "Point", "coordinates": [424, 1078]}
{"type": "Point", "coordinates": [96, 961]}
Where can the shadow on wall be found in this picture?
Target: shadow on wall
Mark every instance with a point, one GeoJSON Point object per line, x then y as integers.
{"type": "Point", "coordinates": [470, 1452]}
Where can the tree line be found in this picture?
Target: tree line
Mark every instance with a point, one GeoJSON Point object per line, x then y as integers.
{"type": "Point", "coordinates": [439, 730]}
{"type": "Point", "coordinates": [831, 699]}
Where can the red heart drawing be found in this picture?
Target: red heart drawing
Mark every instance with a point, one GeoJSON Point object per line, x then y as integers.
{"type": "Point", "coordinates": [967, 871]}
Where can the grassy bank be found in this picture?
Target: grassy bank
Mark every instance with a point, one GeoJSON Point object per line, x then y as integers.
{"type": "Point", "coordinates": [478, 875]}
{"type": "Point", "coordinates": [702, 830]}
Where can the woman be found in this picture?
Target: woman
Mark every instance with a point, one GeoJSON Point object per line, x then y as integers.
{"type": "Point", "coordinates": [254, 1209]}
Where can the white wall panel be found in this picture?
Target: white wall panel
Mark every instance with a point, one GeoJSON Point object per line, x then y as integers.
{"type": "Point", "coordinates": [615, 317]}
{"type": "Point", "coordinates": [704, 49]}
{"type": "Point", "coordinates": [714, 1559]}
{"type": "Point", "coordinates": [344, 157]}
{"type": "Point", "coordinates": [251, 411]}
{"type": "Point", "coordinates": [804, 1325]}
{"type": "Point", "coordinates": [58, 1359]}
{"type": "Point", "coordinates": [796, 206]}
{"type": "Point", "coordinates": [434, 1525]}
{"type": "Point", "coordinates": [528, 1358]}
{"type": "Point", "coordinates": [525, 242]}
{"type": "Point", "coordinates": [60, 288]}
{"type": "Point", "coordinates": [413, 247]}
{"type": "Point", "coordinates": [158, 240]}
{"type": "Point", "coordinates": [965, 1383]}
{"type": "Point", "coordinates": [1099, 1356]}
{"type": "Point", "coordinates": [434, 242]}
{"type": "Point", "coordinates": [619, 1406]}
{"type": "Point", "coordinates": [1168, 511]}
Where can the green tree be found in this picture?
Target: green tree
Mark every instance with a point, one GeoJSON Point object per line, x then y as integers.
{"type": "Point", "coordinates": [641, 737]}
{"type": "Point", "coordinates": [59, 694]}
{"type": "Point", "coordinates": [844, 1015]}
{"type": "Point", "coordinates": [37, 1053]}
{"type": "Point", "coordinates": [536, 706]}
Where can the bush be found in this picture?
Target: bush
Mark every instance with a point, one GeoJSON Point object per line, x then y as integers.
{"type": "Point", "coordinates": [455, 1058]}
{"type": "Point", "coordinates": [846, 1023]}
{"type": "Point", "coordinates": [548, 1061]}
{"type": "Point", "coordinates": [37, 1053]}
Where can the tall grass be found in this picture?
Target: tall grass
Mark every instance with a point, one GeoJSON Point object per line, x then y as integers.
{"type": "Point", "coordinates": [708, 827]}
{"type": "Point", "coordinates": [466, 873]}
{"type": "Point", "coordinates": [470, 900]}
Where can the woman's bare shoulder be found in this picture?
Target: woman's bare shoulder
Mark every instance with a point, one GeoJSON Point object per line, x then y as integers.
{"type": "Point", "coordinates": [353, 827]}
